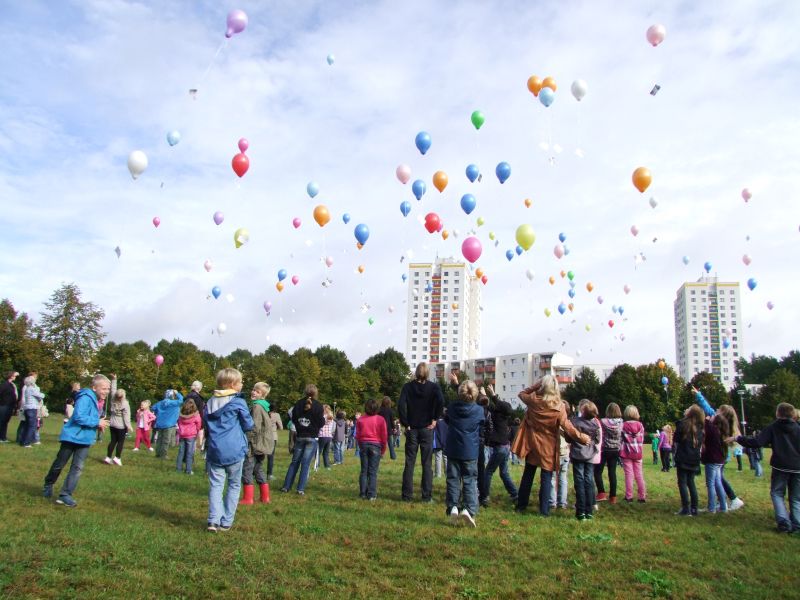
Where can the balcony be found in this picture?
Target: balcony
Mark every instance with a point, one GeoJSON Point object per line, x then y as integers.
{"type": "Point", "coordinates": [544, 365]}
{"type": "Point", "coordinates": [490, 368]}
{"type": "Point", "coordinates": [478, 370]}
{"type": "Point", "coordinates": [563, 379]}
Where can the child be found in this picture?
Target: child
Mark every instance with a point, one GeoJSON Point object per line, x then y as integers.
{"type": "Point", "coordinates": [144, 421]}
{"type": "Point", "coordinates": [339, 437]}
{"type": "Point", "coordinates": [226, 420]}
{"type": "Point", "coordinates": [439, 442]}
{"type": "Point", "coordinates": [190, 424]}
{"type": "Point", "coordinates": [277, 424]}
{"type": "Point", "coordinates": [665, 448]}
{"type": "Point", "coordinates": [372, 437]}
{"type": "Point", "coordinates": [167, 412]}
{"type": "Point", "coordinates": [737, 453]}
{"type": "Point", "coordinates": [326, 437]}
{"type": "Point", "coordinates": [261, 443]}
{"type": "Point", "coordinates": [308, 417]}
{"type": "Point", "coordinates": [560, 489]}
{"type": "Point", "coordinates": [687, 442]}
{"type": "Point", "coordinates": [716, 430]}
{"type": "Point", "coordinates": [609, 454]}
{"type": "Point", "coordinates": [631, 453]}
{"type": "Point", "coordinates": [783, 435]}
{"type": "Point", "coordinates": [654, 439]}
{"type": "Point", "coordinates": [581, 455]}
{"type": "Point", "coordinates": [756, 457]}
{"type": "Point", "coordinates": [464, 420]}
{"type": "Point", "coordinates": [120, 424]}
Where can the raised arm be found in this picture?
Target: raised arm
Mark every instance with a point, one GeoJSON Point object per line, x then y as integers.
{"type": "Point", "coordinates": [701, 400]}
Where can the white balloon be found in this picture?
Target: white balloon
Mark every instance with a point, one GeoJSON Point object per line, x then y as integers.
{"type": "Point", "coordinates": [391, 308]}
{"type": "Point", "coordinates": [529, 274]}
{"type": "Point", "coordinates": [222, 328]}
{"type": "Point", "coordinates": [137, 163]}
{"type": "Point", "coordinates": [230, 298]}
{"type": "Point", "coordinates": [653, 202]}
{"type": "Point", "coordinates": [626, 288]}
{"type": "Point", "coordinates": [579, 89]}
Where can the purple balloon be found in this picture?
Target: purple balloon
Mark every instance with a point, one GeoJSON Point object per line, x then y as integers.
{"type": "Point", "coordinates": [218, 217]}
{"type": "Point", "coordinates": [267, 306]}
{"type": "Point", "coordinates": [237, 21]}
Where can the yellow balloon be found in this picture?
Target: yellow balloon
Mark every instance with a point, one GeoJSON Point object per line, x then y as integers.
{"type": "Point", "coordinates": [588, 328]}
{"type": "Point", "coordinates": [240, 237]}
{"type": "Point", "coordinates": [279, 286]}
{"type": "Point", "coordinates": [440, 180]}
{"type": "Point", "coordinates": [491, 235]}
{"type": "Point", "coordinates": [547, 312]}
{"type": "Point", "coordinates": [478, 272]}
{"type": "Point", "coordinates": [525, 236]}
{"type": "Point", "coordinates": [480, 221]}
{"type": "Point", "coordinates": [445, 234]}
{"type": "Point", "coordinates": [360, 268]}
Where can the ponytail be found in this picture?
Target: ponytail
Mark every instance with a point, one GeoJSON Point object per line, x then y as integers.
{"type": "Point", "coordinates": [311, 395]}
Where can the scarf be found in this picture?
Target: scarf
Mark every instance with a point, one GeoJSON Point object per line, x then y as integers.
{"type": "Point", "coordinates": [262, 403]}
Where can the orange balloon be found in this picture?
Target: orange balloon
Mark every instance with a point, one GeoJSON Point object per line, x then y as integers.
{"type": "Point", "coordinates": [445, 234]}
{"type": "Point", "coordinates": [454, 306]}
{"type": "Point", "coordinates": [527, 202]}
{"type": "Point", "coordinates": [440, 180]}
{"type": "Point", "coordinates": [642, 179]}
{"type": "Point", "coordinates": [534, 85]}
{"type": "Point", "coordinates": [359, 245]}
{"type": "Point", "coordinates": [589, 287]}
{"type": "Point", "coordinates": [549, 82]}
{"type": "Point", "coordinates": [321, 215]}
{"type": "Point", "coordinates": [279, 286]}
{"type": "Point", "coordinates": [570, 306]}
{"type": "Point", "coordinates": [360, 268]}
{"type": "Point", "coordinates": [563, 274]}
{"type": "Point", "coordinates": [661, 364]}
{"type": "Point", "coordinates": [478, 272]}
{"type": "Point", "coordinates": [552, 280]}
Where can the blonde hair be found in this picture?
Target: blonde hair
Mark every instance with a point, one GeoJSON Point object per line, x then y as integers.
{"type": "Point", "coordinates": [144, 405]}
{"type": "Point", "coordinates": [631, 413]}
{"type": "Point", "coordinates": [667, 429]}
{"type": "Point", "coordinates": [119, 397]}
{"type": "Point", "coordinates": [227, 378]}
{"type": "Point", "coordinates": [468, 391]}
{"type": "Point", "coordinates": [550, 392]}
{"type": "Point", "coordinates": [730, 425]}
{"type": "Point", "coordinates": [327, 412]}
{"type": "Point", "coordinates": [262, 387]}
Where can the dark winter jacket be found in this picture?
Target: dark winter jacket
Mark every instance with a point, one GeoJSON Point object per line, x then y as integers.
{"type": "Point", "coordinates": [388, 415]}
{"type": "Point", "coordinates": [502, 417]}
{"type": "Point", "coordinates": [8, 393]}
{"type": "Point", "coordinates": [714, 451]}
{"type": "Point", "coordinates": [687, 450]}
{"type": "Point", "coordinates": [783, 435]}
{"type": "Point", "coordinates": [585, 452]}
{"type": "Point", "coordinates": [464, 421]}
{"type": "Point", "coordinates": [341, 431]}
{"type": "Point", "coordinates": [420, 404]}
{"type": "Point", "coordinates": [440, 435]}
{"type": "Point", "coordinates": [307, 423]}
{"type": "Point", "coordinates": [198, 400]}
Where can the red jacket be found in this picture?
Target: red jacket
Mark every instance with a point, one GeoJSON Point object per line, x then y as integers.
{"type": "Point", "coordinates": [372, 429]}
{"type": "Point", "coordinates": [189, 425]}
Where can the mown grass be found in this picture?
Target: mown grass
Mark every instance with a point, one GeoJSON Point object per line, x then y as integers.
{"type": "Point", "coordinates": [139, 531]}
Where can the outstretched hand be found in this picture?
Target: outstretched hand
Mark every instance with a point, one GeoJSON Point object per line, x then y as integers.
{"type": "Point", "coordinates": [453, 377]}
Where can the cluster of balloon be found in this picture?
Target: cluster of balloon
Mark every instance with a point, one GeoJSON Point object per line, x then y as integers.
{"type": "Point", "coordinates": [173, 137]}
{"type": "Point", "coordinates": [361, 233]}
{"type": "Point", "coordinates": [403, 173]}
{"type": "Point", "coordinates": [281, 276]}
{"type": "Point", "coordinates": [440, 180]}
{"type": "Point", "coordinates": [423, 142]}
{"type": "Point", "coordinates": [432, 222]}
{"type": "Point", "coordinates": [418, 189]}
{"type": "Point", "coordinates": [468, 203]}
{"type": "Point", "coordinates": [642, 179]}
{"type": "Point", "coordinates": [321, 215]}
{"type": "Point", "coordinates": [752, 283]}
{"type": "Point", "coordinates": [219, 217]}
{"type": "Point", "coordinates": [579, 89]}
{"type": "Point", "coordinates": [525, 236]}
{"type": "Point", "coordinates": [137, 163]}
{"type": "Point", "coordinates": [237, 21]}
{"type": "Point", "coordinates": [472, 249]}
{"type": "Point", "coordinates": [656, 34]}
{"type": "Point", "coordinates": [240, 162]}
{"type": "Point", "coordinates": [746, 195]}
{"type": "Point", "coordinates": [503, 171]}
{"type": "Point", "coordinates": [477, 119]}
{"type": "Point", "coordinates": [216, 291]}
{"type": "Point", "coordinates": [156, 222]}
{"type": "Point", "coordinates": [330, 59]}
{"type": "Point", "coordinates": [544, 89]}
{"type": "Point", "coordinates": [296, 222]}
{"type": "Point", "coordinates": [473, 172]}
{"type": "Point", "coordinates": [240, 237]}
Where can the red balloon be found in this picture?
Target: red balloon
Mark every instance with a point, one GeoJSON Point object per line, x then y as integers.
{"type": "Point", "coordinates": [484, 279]}
{"type": "Point", "coordinates": [240, 164]}
{"type": "Point", "coordinates": [432, 222]}
{"type": "Point", "coordinates": [610, 323]}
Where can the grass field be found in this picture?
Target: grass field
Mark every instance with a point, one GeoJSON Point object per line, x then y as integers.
{"type": "Point", "coordinates": [139, 531]}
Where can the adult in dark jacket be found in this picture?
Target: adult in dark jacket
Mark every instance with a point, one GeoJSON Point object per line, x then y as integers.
{"type": "Point", "coordinates": [420, 406]}
{"type": "Point", "coordinates": [499, 443]}
{"type": "Point", "coordinates": [8, 403]}
{"type": "Point", "coordinates": [687, 442]}
{"type": "Point", "coordinates": [388, 414]}
{"type": "Point", "coordinates": [308, 417]}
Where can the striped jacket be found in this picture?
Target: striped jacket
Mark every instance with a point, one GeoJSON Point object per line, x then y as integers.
{"type": "Point", "coordinates": [632, 440]}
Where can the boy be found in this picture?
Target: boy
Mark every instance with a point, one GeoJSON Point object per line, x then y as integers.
{"type": "Point", "coordinates": [783, 435]}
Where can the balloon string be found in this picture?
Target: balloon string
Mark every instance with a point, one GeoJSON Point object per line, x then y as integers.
{"type": "Point", "coordinates": [213, 59]}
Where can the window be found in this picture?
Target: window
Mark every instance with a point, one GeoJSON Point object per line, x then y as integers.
{"type": "Point", "coordinates": [705, 322]}
{"type": "Point", "coordinates": [445, 290]}
{"type": "Point", "coordinates": [694, 315]}
{"type": "Point", "coordinates": [414, 323]}
{"type": "Point", "coordinates": [414, 331]}
{"type": "Point", "coordinates": [424, 331]}
{"type": "Point", "coordinates": [446, 273]}
{"type": "Point", "coordinates": [428, 274]}
{"type": "Point", "coordinates": [513, 361]}
{"type": "Point", "coordinates": [455, 348]}
{"type": "Point", "coordinates": [693, 292]}
{"type": "Point", "coordinates": [455, 290]}
{"type": "Point", "coordinates": [694, 322]}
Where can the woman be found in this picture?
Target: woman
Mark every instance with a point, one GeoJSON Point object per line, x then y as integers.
{"type": "Point", "coordinates": [388, 414]}
{"type": "Point", "coordinates": [261, 443]}
{"type": "Point", "coordinates": [31, 400]}
{"type": "Point", "coordinates": [326, 437]}
{"type": "Point", "coordinates": [308, 417]}
{"type": "Point", "coordinates": [537, 441]}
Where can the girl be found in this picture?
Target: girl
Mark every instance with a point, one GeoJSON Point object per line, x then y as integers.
{"type": "Point", "coordinates": [723, 426]}
{"type": "Point", "coordinates": [464, 420]}
{"type": "Point", "coordinates": [372, 439]}
{"type": "Point", "coordinates": [687, 443]}
{"type": "Point", "coordinates": [261, 443]}
{"type": "Point", "coordinates": [308, 417]}
{"type": "Point", "coordinates": [631, 453]}
{"type": "Point", "coordinates": [144, 422]}
{"type": "Point", "coordinates": [665, 447]}
{"type": "Point", "coordinates": [609, 454]}
{"type": "Point", "coordinates": [339, 436]}
{"type": "Point", "coordinates": [190, 424]}
{"type": "Point", "coordinates": [326, 437]}
{"type": "Point", "coordinates": [581, 455]}
{"type": "Point", "coordinates": [387, 413]}
{"type": "Point", "coordinates": [119, 424]}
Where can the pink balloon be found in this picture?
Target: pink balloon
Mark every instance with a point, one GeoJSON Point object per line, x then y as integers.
{"type": "Point", "coordinates": [746, 194]}
{"type": "Point", "coordinates": [295, 279]}
{"type": "Point", "coordinates": [329, 261]}
{"type": "Point", "coordinates": [626, 288]}
{"type": "Point", "coordinates": [237, 21]}
{"type": "Point", "coordinates": [159, 360]}
{"type": "Point", "coordinates": [219, 217]}
{"type": "Point", "coordinates": [656, 34]}
{"type": "Point", "coordinates": [770, 305]}
{"type": "Point", "coordinates": [599, 299]}
{"type": "Point", "coordinates": [746, 259]}
{"type": "Point", "coordinates": [634, 230]}
{"type": "Point", "coordinates": [267, 306]}
{"type": "Point", "coordinates": [558, 251]}
{"type": "Point", "coordinates": [208, 265]}
{"type": "Point", "coordinates": [472, 249]}
{"type": "Point", "coordinates": [243, 145]}
{"type": "Point", "coordinates": [296, 222]}
{"type": "Point", "coordinates": [156, 221]}
{"type": "Point", "coordinates": [403, 173]}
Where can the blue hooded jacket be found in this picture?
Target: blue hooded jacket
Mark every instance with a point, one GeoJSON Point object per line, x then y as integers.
{"type": "Point", "coordinates": [226, 419]}
{"type": "Point", "coordinates": [167, 411]}
{"type": "Point", "coordinates": [464, 422]}
{"type": "Point", "coordinates": [82, 425]}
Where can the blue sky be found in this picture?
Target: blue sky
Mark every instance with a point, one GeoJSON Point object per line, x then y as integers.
{"type": "Point", "coordinates": [85, 83]}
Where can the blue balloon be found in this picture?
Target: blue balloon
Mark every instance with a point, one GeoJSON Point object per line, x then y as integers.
{"type": "Point", "coordinates": [614, 308]}
{"type": "Point", "coordinates": [752, 283]}
{"type": "Point", "coordinates": [468, 203]}
{"type": "Point", "coordinates": [346, 218]}
{"type": "Point", "coordinates": [331, 59]}
{"type": "Point", "coordinates": [173, 137]}
{"type": "Point", "coordinates": [503, 171]}
{"type": "Point", "coordinates": [362, 233]}
{"type": "Point", "coordinates": [566, 250]}
{"type": "Point", "coordinates": [423, 141]}
{"type": "Point", "coordinates": [561, 308]}
{"type": "Point", "coordinates": [520, 250]}
{"type": "Point", "coordinates": [726, 343]}
{"type": "Point", "coordinates": [546, 96]}
{"type": "Point", "coordinates": [215, 291]}
{"type": "Point", "coordinates": [404, 276]}
{"type": "Point", "coordinates": [281, 274]}
{"type": "Point", "coordinates": [405, 207]}
{"type": "Point", "coordinates": [572, 284]}
{"type": "Point", "coordinates": [571, 292]}
{"type": "Point", "coordinates": [509, 254]}
{"type": "Point", "coordinates": [664, 380]}
{"type": "Point", "coordinates": [685, 260]}
{"type": "Point", "coordinates": [472, 173]}
{"type": "Point", "coordinates": [620, 310]}
{"type": "Point", "coordinates": [562, 237]}
{"type": "Point", "coordinates": [418, 187]}
{"type": "Point", "coordinates": [707, 267]}
{"type": "Point", "coordinates": [312, 189]}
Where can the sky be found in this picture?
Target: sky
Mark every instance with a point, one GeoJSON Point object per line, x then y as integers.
{"type": "Point", "coordinates": [86, 83]}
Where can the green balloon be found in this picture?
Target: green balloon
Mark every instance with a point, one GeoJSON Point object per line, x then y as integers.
{"type": "Point", "coordinates": [371, 320]}
{"type": "Point", "coordinates": [571, 275]}
{"type": "Point", "coordinates": [478, 119]}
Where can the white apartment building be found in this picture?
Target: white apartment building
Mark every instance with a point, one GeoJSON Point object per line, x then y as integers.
{"type": "Point", "coordinates": [708, 329]}
{"type": "Point", "coordinates": [444, 316]}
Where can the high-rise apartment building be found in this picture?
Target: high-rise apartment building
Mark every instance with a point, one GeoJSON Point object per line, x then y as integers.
{"type": "Point", "coordinates": [444, 312]}
{"type": "Point", "coordinates": [708, 329]}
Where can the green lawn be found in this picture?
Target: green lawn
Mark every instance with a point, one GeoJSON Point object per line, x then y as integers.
{"type": "Point", "coordinates": [139, 531]}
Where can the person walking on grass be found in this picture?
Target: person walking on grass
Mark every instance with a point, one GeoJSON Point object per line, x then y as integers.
{"type": "Point", "coordinates": [200, 403]}
{"type": "Point", "coordinates": [372, 438]}
{"type": "Point", "coordinates": [308, 417]}
{"type": "Point", "coordinates": [325, 438]}
{"type": "Point", "coordinates": [420, 406]}
{"type": "Point", "coordinates": [464, 419]}
{"type": "Point", "coordinates": [261, 443]}
{"type": "Point", "coordinates": [31, 400]}
{"type": "Point", "coordinates": [665, 447]}
{"type": "Point", "coordinates": [119, 412]}
{"type": "Point", "coordinates": [167, 412]}
{"type": "Point", "coordinates": [8, 402]}
{"type": "Point", "coordinates": [77, 436]}
{"type": "Point", "coordinates": [631, 454]}
{"type": "Point", "coordinates": [654, 439]}
{"type": "Point", "coordinates": [339, 438]}
{"type": "Point", "coordinates": [190, 424]}
{"type": "Point", "coordinates": [226, 420]}
{"type": "Point", "coordinates": [687, 442]}
{"type": "Point", "coordinates": [609, 453]}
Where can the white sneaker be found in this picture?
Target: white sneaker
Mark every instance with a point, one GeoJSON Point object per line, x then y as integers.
{"type": "Point", "coordinates": [736, 504]}
{"type": "Point", "coordinates": [117, 461]}
{"type": "Point", "coordinates": [467, 519]}
{"type": "Point", "coordinates": [107, 460]}
{"type": "Point", "coordinates": [135, 450]}
{"type": "Point", "coordinates": [152, 449]}
{"type": "Point", "coordinates": [454, 516]}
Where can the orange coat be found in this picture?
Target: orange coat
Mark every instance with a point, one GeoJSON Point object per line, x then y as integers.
{"type": "Point", "coordinates": [538, 438]}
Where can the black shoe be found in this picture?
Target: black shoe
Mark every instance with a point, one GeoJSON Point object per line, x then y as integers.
{"type": "Point", "coordinates": [284, 490]}
{"type": "Point", "coordinates": [684, 512]}
{"type": "Point", "coordinates": [427, 500]}
{"type": "Point", "coordinates": [641, 500]}
{"type": "Point", "coordinates": [485, 503]}
{"type": "Point", "coordinates": [694, 512]}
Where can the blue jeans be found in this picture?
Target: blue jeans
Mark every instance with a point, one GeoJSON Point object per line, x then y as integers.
{"type": "Point", "coordinates": [222, 512]}
{"type": "Point", "coordinates": [78, 454]}
{"type": "Point", "coordinates": [370, 461]}
{"type": "Point", "coordinates": [185, 452]}
{"type": "Point", "coordinates": [304, 450]}
{"type": "Point", "coordinates": [392, 452]}
{"type": "Point", "coordinates": [777, 490]}
{"type": "Point", "coordinates": [499, 458]}
{"type": "Point", "coordinates": [545, 489]}
{"type": "Point", "coordinates": [759, 469]}
{"type": "Point", "coordinates": [31, 420]}
{"type": "Point", "coordinates": [338, 453]}
{"type": "Point", "coordinates": [462, 480]}
{"type": "Point", "coordinates": [558, 497]}
{"type": "Point", "coordinates": [324, 448]}
{"type": "Point", "coordinates": [419, 440]}
{"type": "Point", "coordinates": [583, 480]}
{"type": "Point", "coordinates": [716, 492]}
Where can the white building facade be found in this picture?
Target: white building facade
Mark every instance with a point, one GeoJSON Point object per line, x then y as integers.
{"type": "Point", "coordinates": [708, 329]}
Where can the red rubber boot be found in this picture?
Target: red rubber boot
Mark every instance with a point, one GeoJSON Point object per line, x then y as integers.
{"type": "Point", "coordinates": [263, 488]}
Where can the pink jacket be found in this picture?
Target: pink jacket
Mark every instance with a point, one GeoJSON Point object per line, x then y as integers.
{"type": "Point", "coordinates": [632, 440]}
{"type": "Point", "coordinates": [189, 425]}
{"type": "Point", "coordinates": [148, 420]}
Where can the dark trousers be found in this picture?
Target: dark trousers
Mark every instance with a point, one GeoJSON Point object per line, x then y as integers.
{"type": "Point", "coordinates": [728, 487]}
{"type": "Point", "coordinates": [31, 423]}
{"type": "Point", "coordinates": [687, 488]}
{"type": "Point", "coordinates": [666, 459]}
{"type": "Point", "coordinates": [117, 441]}
{"type": "Point", "coordinates": [583, 480]}
{"type": "Point", "coordinates": [482, 494]}
{"type": "Point", "coordinates": [253, 469]}
{"type": "Point", "coordinates": [78, 454]}
{"type": "Point", "coordinates": [609, 459]}
{"type": "Point", "coordinates": [370, 455]}
{"type": "Point", "coordinates": [739, 461]}
{"type": "Point", "coordinates": [5, 417]}
{"type": "Point", "coordinates": [418, 440]}
{"type": "Point", "coordinates": [325, 451]}
{"type": "Point", "coordinates": [271, 461]}
{"type": "Point", "coordinates": [545, 489]}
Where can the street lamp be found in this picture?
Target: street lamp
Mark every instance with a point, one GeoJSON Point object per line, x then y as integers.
{"type": "Point", "coordinates": [742, 391]}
